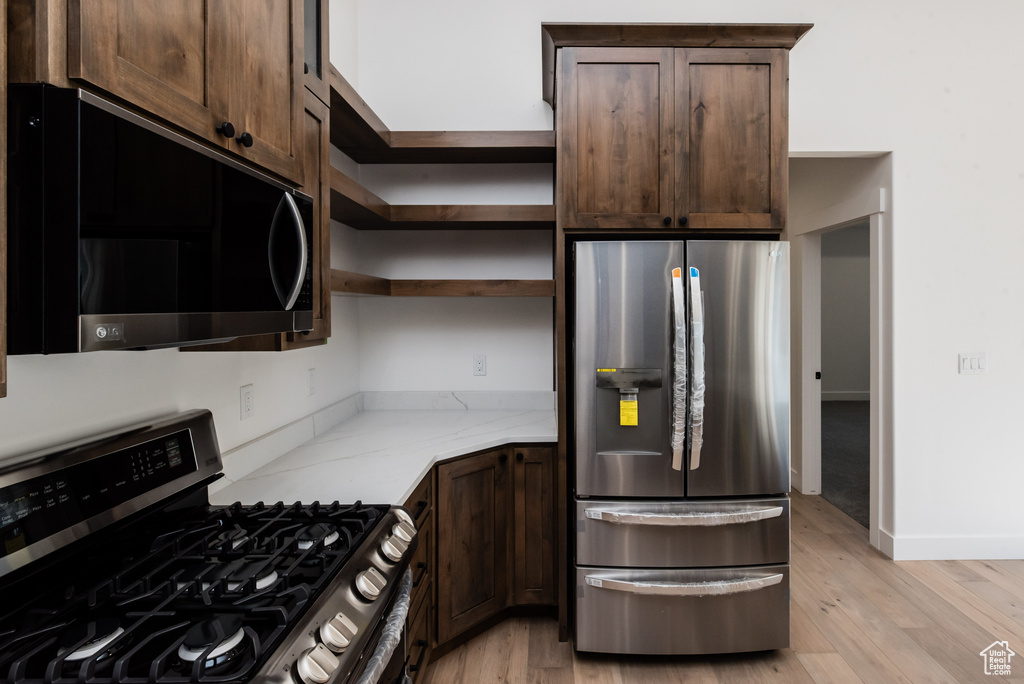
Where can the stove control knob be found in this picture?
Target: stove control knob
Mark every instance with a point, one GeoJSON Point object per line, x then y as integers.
{"type": "Point", "coordinates": [403, 516]}
{"type": "Point", "coordinates": [370, 583]}
{"type": "Point", "coordinates": [394, 548]}
{"type": "Point", "coordinates": [316, 665]}
{"type": "Point", "coordinates": [404, 531]}
{"type": "Point", "coordinates": [338, 633]}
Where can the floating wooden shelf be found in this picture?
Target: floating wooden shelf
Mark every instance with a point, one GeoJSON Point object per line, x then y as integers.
{"type": "Point", "coordinates": [357, 283]}
{"type": "Point", "coordinates": [355, 206]}
{"type": "Point", "coordinates": [360, 134]}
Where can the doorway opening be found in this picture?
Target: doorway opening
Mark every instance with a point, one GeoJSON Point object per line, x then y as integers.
{"type": "Point", "coordinates": [846, 370]}
{"type": "Point", "coordinates": [829, 193]}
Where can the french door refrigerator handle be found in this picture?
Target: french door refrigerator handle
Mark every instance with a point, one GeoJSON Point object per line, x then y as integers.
{"type": "Point", "coordinates": [709, 588]}
{"type": "Point", "coordinates": [693, 519]}
{"type": "Point", "coordinates": [287, 209]}
{"type": "Point", "coordinates": [696, 428]}
{"type": "Point", "coordinates": [678, 437]}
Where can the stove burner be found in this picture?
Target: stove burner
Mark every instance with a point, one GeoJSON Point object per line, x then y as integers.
{"type": "Point", "coordinates": [223, 633]}
{"type": "Point", "coordinates": [311, 534]}
{"type": "Point", "coordinates": [192, 575]}
{"type": "Point", "coordinates": [263, 573]}
{"type": "Point", "coordinates": [232, 539]}
{"type": "Point", "coordinates": [100, 634]}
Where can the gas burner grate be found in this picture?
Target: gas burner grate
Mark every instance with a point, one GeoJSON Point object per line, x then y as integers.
{"type": "Point", "coordinates": [161, 579]}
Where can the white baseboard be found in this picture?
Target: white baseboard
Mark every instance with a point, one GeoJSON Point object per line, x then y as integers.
{"type": "Point", "coordinates": [886, 543]}
{"type": "Point", "coordinates": [955, 548]}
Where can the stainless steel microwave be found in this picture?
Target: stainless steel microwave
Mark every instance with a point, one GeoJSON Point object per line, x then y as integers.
{"type": "Point", "coordinates": [123, 234]}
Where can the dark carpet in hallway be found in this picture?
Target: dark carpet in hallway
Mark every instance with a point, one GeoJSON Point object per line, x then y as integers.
{"type": "Point", "coordinates": [845, 457]}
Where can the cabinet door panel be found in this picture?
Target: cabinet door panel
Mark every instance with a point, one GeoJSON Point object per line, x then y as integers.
{"type": "Point", "coordinates": [616, 137]}
{"type": "Point", "coordinates": [534, 576]}
{"type": "Point", "coordinates": [732, 166]}
{"type": "Point", "coordinates": [125, 48]}
{"type": "Point", "coordinates": [472, 541]}
{"type": "Point", "coordinates": [259, 47]}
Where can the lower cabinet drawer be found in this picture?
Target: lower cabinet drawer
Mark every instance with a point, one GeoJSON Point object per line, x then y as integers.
{"type": "Point", "coordinates": [420, 563]}
{"type": "Point", "coordinates": [418, 640]}
{"type": "Point", "coordinates": [659, 534]}
{"type": "Point", "coordinates": [693, 611]}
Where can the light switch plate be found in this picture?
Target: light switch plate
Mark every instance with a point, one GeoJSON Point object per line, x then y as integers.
{"type": "Point", "coordinates": [975, 363]}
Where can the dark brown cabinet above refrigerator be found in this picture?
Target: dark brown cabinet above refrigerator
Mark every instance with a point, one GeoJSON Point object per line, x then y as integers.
{"type": "Point", "coordinates": [661, 133]}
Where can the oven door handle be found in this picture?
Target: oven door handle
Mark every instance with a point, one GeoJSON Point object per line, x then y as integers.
{"type": "Point", "coordinates": [710, 588]}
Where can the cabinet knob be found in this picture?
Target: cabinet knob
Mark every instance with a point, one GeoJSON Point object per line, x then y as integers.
{"type": "Point", "coordinates": [502, 458]}
{"type": "Point", "coordinates": [667, 221]}
{"type": "Point", "coordinates": [226, 129]}
{"type": "Point", "coordinates": [682, 220]}
{"type": "Point", "coordinates": [245, 139]}
{"type": "Point", "coordinates": [519, 456]}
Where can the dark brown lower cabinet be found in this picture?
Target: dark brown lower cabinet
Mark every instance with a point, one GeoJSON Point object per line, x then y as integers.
{"type": "Point", "coordinates": [534, 514]}
{"type": "Point", "coordinates": [495, 536]}
{"type": "Point", "coordinates": [473, 497]}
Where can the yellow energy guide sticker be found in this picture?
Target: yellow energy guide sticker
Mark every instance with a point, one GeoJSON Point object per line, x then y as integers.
{"type": "Point", "coordinates": [605, 370]}
{"type": "Point", "coordinates": [628, 411]}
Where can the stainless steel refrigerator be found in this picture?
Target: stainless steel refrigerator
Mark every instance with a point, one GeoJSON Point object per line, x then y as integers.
{"type": "Point", "coordinates": [681, 441]}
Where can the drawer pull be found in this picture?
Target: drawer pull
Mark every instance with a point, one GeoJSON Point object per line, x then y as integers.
{"type": "Point", "coordinates": [693, 519]}
{"type": "Point", "coordinates": [422, 567]}
{"type": "Point", "coordinates": [708, 588]}
{"type": "Point", "coordinates": [422, 643]}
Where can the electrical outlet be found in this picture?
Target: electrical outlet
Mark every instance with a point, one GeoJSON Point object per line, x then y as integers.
{"type": "Point", "coordinates": [479, 364]}
{"type": "Point", "coordinates": [247, 401]}
{"type": "Point", "coordinates": [312, 381]}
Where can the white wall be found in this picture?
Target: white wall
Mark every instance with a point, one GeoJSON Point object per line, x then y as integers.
{"type": "Point", "coordinates": [845, 314]}
{"type": "Point", "coordinates": [904, 77]}
{"type": "Point", "coordinates": [56, 398]}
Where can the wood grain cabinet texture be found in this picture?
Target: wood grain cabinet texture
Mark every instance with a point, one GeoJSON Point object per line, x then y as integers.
{"type": "Point", "coordinates": [660, 138]}
{"type": "Point", "coordinates": [495, 536]}
{"type": "Point", "coordinates": [201, 65]}
{"type": "Point", "coordinates": [473, 544]}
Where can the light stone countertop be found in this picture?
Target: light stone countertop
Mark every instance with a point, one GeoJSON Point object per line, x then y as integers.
{"type": "Point", "coordinates": [379, 456]}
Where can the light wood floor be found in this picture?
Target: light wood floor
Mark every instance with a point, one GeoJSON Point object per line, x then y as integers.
{"type": "Point", "coordinates": [856, 617]}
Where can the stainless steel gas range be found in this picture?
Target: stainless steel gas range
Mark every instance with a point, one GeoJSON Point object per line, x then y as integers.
{"type": "Point", "coordinates": [115, 568]}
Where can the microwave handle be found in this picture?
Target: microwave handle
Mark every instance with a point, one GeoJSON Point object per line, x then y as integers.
{"type": "Point", "coordinates": [286, 209]}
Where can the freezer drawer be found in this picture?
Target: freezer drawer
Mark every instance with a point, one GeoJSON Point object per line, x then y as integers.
{"type": "Point", "coordinates": [720, 610]}
{"type": "Point", "coordinates": [658, 534]}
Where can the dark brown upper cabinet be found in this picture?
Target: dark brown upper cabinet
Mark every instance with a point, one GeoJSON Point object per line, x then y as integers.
{"type": "Point", "coordinates": [228, 71]}
{"type": "Point", "coordinates": [658, 131]}
{"type": "Point", "coordinates": [615, 137]}
{"type": "Point", "coordinates": [316, 43]}
{"type": "Point", "coordinates": [732, 153]}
